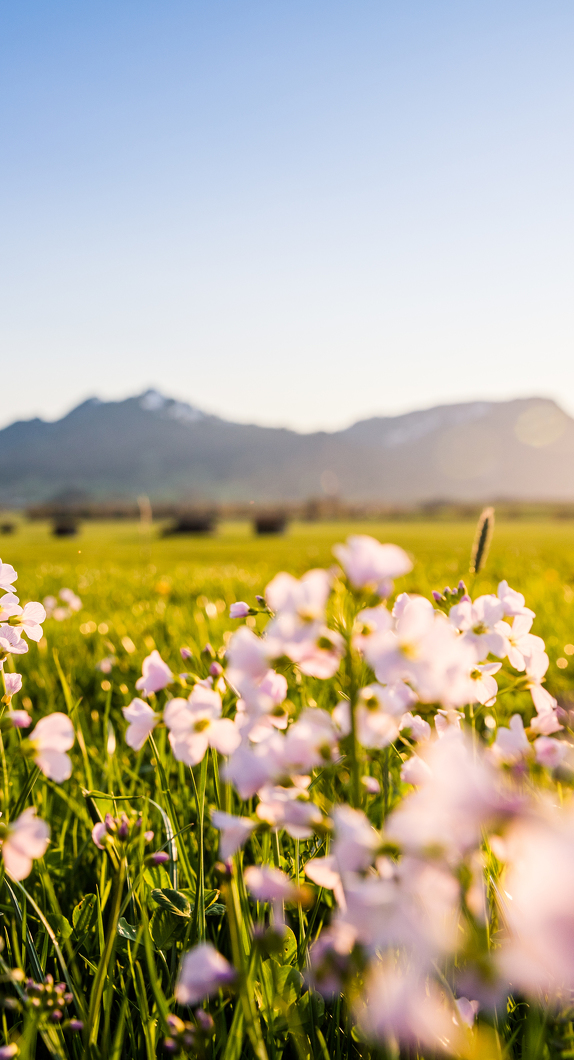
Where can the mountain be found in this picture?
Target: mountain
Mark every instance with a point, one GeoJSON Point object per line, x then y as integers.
{"type": "Point", "coordinates": [481, 450]}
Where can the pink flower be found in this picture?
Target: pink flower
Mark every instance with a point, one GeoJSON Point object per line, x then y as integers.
{"type": "Point", "coordinates": [520, 644]}
{"type": "Point", "coordinates": [550, 753]}
{"type": "Point", "coordinates": [9, 606]}
{"type": "Point", "coordinates": [305, 598]}
{"type": "Point", "coordinates": [478, 622]}
{"type": "Point", "coordinates": [202, 972]}
{"type": "Point", "coordinates": [99, 833]}
{"type": "Point", "coordinates": [415, 771]}
{"type": "Point", "coordinates": [155, 674]}
{"type": "Point", "coordinates": [397, 1005]}
{"type": "Point", "coordinates": [235, 832]}
{"type": "Point", "coordinates": [7, 577]}
{"type": "Point", "coordinates": [195, 724]}
{"type": "Point", "coordinates": [268, 884]}
{"type": "Point", "coordinates": [27, 838]}
{"type": "Point", "coordinates": [289, 808]}
{"type": "Point", "coordinates": [355, 840]}
{"type": "Point", "coordinates": [69, 597]}
{"type": "Point", "coordinates": [467, 1010]}
{"type": "Point", "coordinates": [546, 722]}
{"type": "Point", "coordinates": [52, 737]}
{"type": "Point", "coordinates": [324, 872]}
{"type": "Point", "coordinates": [239, 609]}
{"type": "Point", "coordinates": [252, 766]}
{"type": "Point", "coordinates": [485, 687]}
{"type": "Point", "coordinates": [419, 728]}
{"type": "Point", "coordinates": [512, 602]}
{"type": "Point", "coordinates": [13, 683]}
{"type": "Point", "coordinates": [29, 621]}
{"type": "Point", "coordinates": [368, 564]}
{"type": "Point", "coordinates": [512, 743]}
{"type": "Point", "coordinates": [143, 721]}
{"type": "Point", "coordinates": [20, 718]}
{"type": "Point", "coordinates": [11, 642]}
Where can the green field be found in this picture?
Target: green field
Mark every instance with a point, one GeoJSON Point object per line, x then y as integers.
{"type": "Point", "coordinates": [139, 592]}
{"type": "Point", "coordinates": [143, 585]}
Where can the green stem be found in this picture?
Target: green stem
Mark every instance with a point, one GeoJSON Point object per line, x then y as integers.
{"type": "Point", "coordinates": [110, 942]}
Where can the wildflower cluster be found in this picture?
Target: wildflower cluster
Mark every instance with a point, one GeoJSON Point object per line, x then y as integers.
{"type": "Point", "coordinates": [389, 782]}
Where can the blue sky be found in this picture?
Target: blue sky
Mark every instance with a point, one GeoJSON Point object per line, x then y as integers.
{"type": "Point", "coordinates": [294, 213]}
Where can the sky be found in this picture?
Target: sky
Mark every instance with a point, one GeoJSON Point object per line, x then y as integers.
{"type": "Point", "coordinates": [294, 213]}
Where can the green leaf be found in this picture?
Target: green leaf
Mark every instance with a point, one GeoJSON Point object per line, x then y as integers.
{"type": "Point", "coordinates": [217, 909]}
{"type": "Point", "coordinates": [126, 931]}
{"type": "Point", "coordinates": [61, 925]}
{"type": "Point", "coordinates": [84, 915]}
{"type": "Point", "coordinates": [166, 928]}
{"type": "Point", "coordinates": [173, 901]}
{"type": "Point", "coordinates": [286, 949]}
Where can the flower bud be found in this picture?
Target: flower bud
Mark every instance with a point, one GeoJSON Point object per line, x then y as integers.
{"type": "Point", "coordinates": [216, 669]}
{"type": "Point", "coordinates": [160, 857]}
{"type": "Point", "coordinates": [76, 1025]}
{"type": "Point", "coordinates": [186, 653]}
{"type": "Point", "coordinates": [239, 609]}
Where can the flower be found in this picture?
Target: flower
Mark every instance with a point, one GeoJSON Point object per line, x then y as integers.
{"type": "Point", "coordinates": [268, 884]}
{"type": "Point", "coordinates": [368, 564]}
{"type": "Point", "coordinates": [398, 1005]}
{"type": "Point", "coordinates": [512, 743]}
{"type": "Point", "coordinates": [7, 577]}
{"type": "Point", "coordinates": [239, 609]}
{"type": "Point", "coordinates": [156, 674]}
{"type": "Point", "coordinates": [69, 597]}
{"type": "Point", "coordinates": [305, 598]}
{"type": "Point", "coordinates": [550, 753]}
{"type": "Point", "coordinates": [251, 766]}
{"type": "Point", "coordinates": [485, 687]}
{"type": "Point", "coordinates": [9, 606]}
{"type": "Point", "coordinates": [99, 833]}
{"type": "Point", "coordinates": [235, 831]}
{"type": "Point", "coordinates": [29, 621]}
{"type": "Point", "coordinates": [52, 737]}
{"type": "Point", "coordinates": [11, 642]}
{"type": "Point", "coordinates": [324, 872]}
{"type": "Point", "coordinates": [195, 724]}
{"type": "Point", "coordinates": [25, 840]}
{"type": "Point", "coordinates": [478, 622]}
{"type": "Point", "coordinates": [143, 721]}
{"type": "Point", "coordinates": [289, 808]}
{"type": "Point", "coordinates": [13, 683]}
{"type": "Point", "coordinates": [20, 718]}
{"type": "Point", "coordinates": [355, 840]}
{"type": "Point", "coordinates": [202, 972]}
{"type": "Point", "coordinates": [520, 644]}
{"type": "Point", "coordinates": [467, 1010]}
{"type": "Point", "coordinates": [512, 602]}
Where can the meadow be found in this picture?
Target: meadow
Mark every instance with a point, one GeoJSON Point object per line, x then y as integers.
{"type": "Point", "coordinates": [112, 921]}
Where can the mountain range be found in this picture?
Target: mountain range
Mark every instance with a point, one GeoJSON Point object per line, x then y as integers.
{"type": "Point", "coordinates": [475, 451]}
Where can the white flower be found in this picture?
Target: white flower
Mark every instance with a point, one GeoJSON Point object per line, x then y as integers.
{"type": "Point", "coordinates": [26, 839]}
{"type": "Point", "coordinates": [324, 872]}
{"type": "Point", "coordinates": [52, 737]}
{"type": "Point", "coordinates": [305, 597]}
{"type": "Point", "coordinates": [368, 564]}
{"type": "Point", "coordinates": [195, 724]}
{"type": "Point", "coordinates": [202, 972]}
{"type": "Point", "coordinates": [7, 577]}
{"type": "Point", "coordinates": [289, 808]}
{"type": "Point", "coordinates": [239, 610]}
{"type": "Point", "coordinates": [9, 606]}
{"type": "Point", "coordinates": [485, 687]}
{"type": "Point", "coordinates": [235, 832]}
{"type": "Point", "coordinates": [11, 642]}
{"type": "Point", "coordinates": [252, 766]}
{"type": "Point", "coordinates": [70, 598]}
{"type": "Point", "coordinates": [355, 840]}
{"type": "Point", "coordinates": [156, 674]}
{"type": "Point", "coordinates": [520, 644]}
{"type": "Point", "coordinates": [143, 721]}
{"type": "Point", "coordinates": [29, 621]}
{"type": "Point", "coordinates": [268, 884]}
{"type": "Point", "coordinates": [512, 743]}
{"type": "Point", "coordinates": [20, 718]}
{"type": "Point", "coordinates": [13, 683]}
{"type": "Point", "coordinates": [478, 622]}
{"type": "Point", "coordinates": [550, 753]}
{"type": "Point", "coordinates": [512, 602]}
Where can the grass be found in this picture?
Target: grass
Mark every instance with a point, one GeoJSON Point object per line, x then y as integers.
{"type": "Point", "coordinates": [74, 917]}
